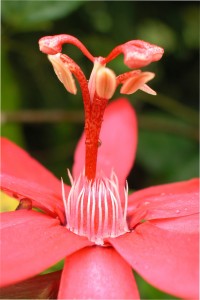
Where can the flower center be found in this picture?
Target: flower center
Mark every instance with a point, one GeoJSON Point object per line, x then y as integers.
{"type": "Point", "coordinates": [96, 209]}
{"type": "Point", "coordinates": [102, 82]}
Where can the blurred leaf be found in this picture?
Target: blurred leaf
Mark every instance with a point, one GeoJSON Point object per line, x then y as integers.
{"type": "Point", "coordinates": [167, 156]}
{"type": "Point", "coordinates": [147, 291]}
{"type": "Point", "coordinates": [98, 12]}
{"type": "Point", "coordinates": [57, 267]}
{"type": "Point", "coordinates": [157, 32]}
{"type": "Point", "coordinates": [162, 122]}
{"type": "Point", "coordinates": [10, 99]}
{"type": "Point", "coordinates": [33, 14]}
{"type": "Point", "coordinates": [7, 203]}
{"type": "Point", "coordinates": [174, 107]}
{"type": "Point", "coordinates": [188, 169]}
{"type": "Point", "coordinates": [191, 27]}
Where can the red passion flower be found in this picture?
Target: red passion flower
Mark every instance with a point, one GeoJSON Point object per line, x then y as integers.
{"type": "Point", "coordinates": [101, 231]}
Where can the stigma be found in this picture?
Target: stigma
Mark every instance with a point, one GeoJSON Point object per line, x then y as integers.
{"type": "Point", "coordinates": [96, 209]}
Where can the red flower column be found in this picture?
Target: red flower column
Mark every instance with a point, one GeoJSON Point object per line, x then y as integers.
{"type": "Point", "coordinates": [96, 206]}
{"type": "Point", "coordinates": [100, 230]}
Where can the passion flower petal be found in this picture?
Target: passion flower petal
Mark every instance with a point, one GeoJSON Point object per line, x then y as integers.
{"type": "Point", "coordinates": [40, 196]}
{"type": "Point", "coordinates": [31, 243]}
{"type": "Point", "coordinates": [101, 274]}
{"type": "Point", "coordinates": [166, 259]}
{"type": "Point", "coordinates": [18, 163]}
{"type": "Point", "coordinates": [184, 224]}
{"type": "Point", "coordinates": [165, 201]}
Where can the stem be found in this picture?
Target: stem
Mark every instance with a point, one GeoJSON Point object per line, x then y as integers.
{"type": "Point", "coordinates": [94, 112]}
{"type": "Point", "coordinates": [41, 116]}
{"type": "Point", "coordinates": [164, 124]}
{"type": "Point", "coordinates": [92, 142]}
{"type": "Point", "coordinates": [174, 107]}
{"type": "Point", "coordinates": [157, 124]}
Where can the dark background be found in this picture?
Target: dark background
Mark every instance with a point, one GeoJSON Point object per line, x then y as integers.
{"type": "Point", "coordinates": [168, 123]}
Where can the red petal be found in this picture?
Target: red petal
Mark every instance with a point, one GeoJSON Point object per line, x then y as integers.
{"type": "Point", "coordinates": [32, 242]}
{"type": "Point", "coordinates": [17, 162]}
{"type": "Point", "coordinates": [186, 224]}
{"type": "Point", "coordinates": [166, 259]}
{"type": "Point", "coordinates": [119, 141]}
{"type": "Point", "coordinates": [24, 177]}
{"type": "Point", "coordinates": [97, 273]}
{"type": "Point", "coordinates": [165, 201]}
{"type": "Point", "coordinates": [40, 287]}
{"type": "Point", "coordinates": [40, 196]}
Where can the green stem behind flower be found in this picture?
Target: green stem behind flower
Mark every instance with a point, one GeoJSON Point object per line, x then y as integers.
{"type": "Point", "coordinates": [174, 107]}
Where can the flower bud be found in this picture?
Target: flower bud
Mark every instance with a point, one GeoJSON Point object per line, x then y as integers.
{"type": "Point", "coordinates": [105, 83]}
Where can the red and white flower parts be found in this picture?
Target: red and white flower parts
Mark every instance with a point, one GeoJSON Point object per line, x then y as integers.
{"type": "Point", "coordinates": [101, 230]}
{"type": "Point", "coordinates": [96, 207]}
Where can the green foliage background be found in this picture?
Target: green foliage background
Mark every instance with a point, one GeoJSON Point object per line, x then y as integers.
{"type": "Point", "coordinates": [168, 123]}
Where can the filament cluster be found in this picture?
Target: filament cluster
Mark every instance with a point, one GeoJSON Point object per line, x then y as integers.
{"type": "Point", "coordinates": [94, 208]}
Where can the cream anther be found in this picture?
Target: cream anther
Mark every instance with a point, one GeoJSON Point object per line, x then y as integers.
{"type": "Point", "coordinates": [63, 73]}
{"type": "Point", "coordinates": [105, 83]}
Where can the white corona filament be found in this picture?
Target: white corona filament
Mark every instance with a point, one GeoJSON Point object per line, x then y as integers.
{"type": "Point", "coordinates": [95, 209]}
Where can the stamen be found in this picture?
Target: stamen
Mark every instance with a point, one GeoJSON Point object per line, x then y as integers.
{"type": "Point", "coordinates": [63, 73]}
{"type": "Point", "coordinates": [145, 88]}
{"type": "Point", "coordinates": [106, 211]}
{"type": "Point", "coordinates": [100, 211]}
{"type": "Point", "coordinates": [93, 211]}
{"type": "Point", "coordinates": [94, 208]}
{"type": "Point", "coordinates": [132, 84]}
{"type": "Point", "coordinates": [105, 83]}
{"type": "Point", "coordinates": [92, 79]}
{"type": "Point", "coordinates": [70, 177]}
{"type": "Point", "coordinates": [88, 210]}
{"type": "Point", "coordinates": [63, 195]}
{"type": "Point", "coordinates": [126, 200]}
